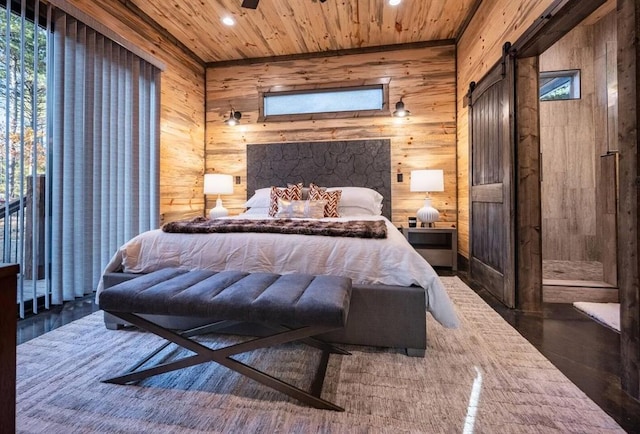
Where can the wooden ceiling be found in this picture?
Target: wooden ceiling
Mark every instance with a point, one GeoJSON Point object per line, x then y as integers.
{"type": "Point", "coordinates": [293, 27]}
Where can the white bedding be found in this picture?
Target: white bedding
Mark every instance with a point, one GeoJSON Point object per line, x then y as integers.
{"type": "Point", "coordinates": [390, 261]}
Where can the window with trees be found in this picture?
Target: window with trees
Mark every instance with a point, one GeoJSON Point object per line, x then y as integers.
{"type": "Point", "coordinates": [22, 101]}
{"type": "Point", "coordinates": [559, 85]}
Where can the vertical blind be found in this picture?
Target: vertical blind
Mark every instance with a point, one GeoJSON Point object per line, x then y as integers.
{"type": "Point", "coordinates": [103, 163]}
{"type": "Point", "coordinates": [79, 148]}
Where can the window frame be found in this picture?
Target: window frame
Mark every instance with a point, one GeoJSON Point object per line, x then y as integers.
{"type": "Point", "coordinates": [303, 89]}
{"type": "Point", "coordinates": [576, 83]}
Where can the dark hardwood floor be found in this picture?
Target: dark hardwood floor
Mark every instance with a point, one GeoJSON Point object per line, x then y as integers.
{"type": "Point", "coordinates": [585, 351]}
{"type": "Point", "coordinates": [35, 325]}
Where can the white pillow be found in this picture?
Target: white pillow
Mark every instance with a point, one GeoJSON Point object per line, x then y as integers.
{"type": "Point", "coordinates": [352, 211]}
{"type": "Point", "coordinates": [257, 210]}
{"type": "Point", "coordinates": [260, 199]}
{"type": "Point", "coordinates": [360, 197]}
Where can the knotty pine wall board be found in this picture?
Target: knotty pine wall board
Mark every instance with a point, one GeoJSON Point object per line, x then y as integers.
{"type": "Point", "coordinates": [423, 77]}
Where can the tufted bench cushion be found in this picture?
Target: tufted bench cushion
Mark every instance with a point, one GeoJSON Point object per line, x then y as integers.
{"type": "Point", "coordinates": [294, 307]}
{"type": "Point", "coordinates": [294, 299]}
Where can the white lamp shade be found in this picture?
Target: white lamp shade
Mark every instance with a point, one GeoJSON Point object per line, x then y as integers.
{"type": "Point", "coordinates": [215, 183]}
{"type": "Point", "coordinates": [427, 180]}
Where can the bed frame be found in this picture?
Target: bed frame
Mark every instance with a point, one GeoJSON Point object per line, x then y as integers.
{"type": "Point", "coordinates": [380, 315]}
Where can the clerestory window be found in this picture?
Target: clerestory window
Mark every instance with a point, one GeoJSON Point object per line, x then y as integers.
{"type": "Point", "coordinates": [327, 101]}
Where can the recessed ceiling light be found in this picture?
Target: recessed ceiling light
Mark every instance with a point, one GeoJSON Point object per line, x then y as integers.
{"type": "Point", "coordinates": [228, 21]}
{"type": "Point", "coordinates": [394, 2]}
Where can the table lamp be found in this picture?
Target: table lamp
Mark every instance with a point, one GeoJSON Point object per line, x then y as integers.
{"type": "Point", "coordinates": [427, 180]}
{"type": "Point", "coordinates": [215, 183]}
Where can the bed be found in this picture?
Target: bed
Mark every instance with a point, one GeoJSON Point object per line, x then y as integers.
{"type": "Point", "coordinates": [393, 284]}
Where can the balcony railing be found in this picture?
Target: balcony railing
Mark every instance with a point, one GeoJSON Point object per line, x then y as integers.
{"type": "Point", "coordinates": [9, 232]}
{"type": "Point", "coordinates": [22, 240]}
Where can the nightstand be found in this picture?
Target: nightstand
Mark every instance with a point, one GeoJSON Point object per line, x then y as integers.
{"type": "Point", "coordinates": [439, 246]}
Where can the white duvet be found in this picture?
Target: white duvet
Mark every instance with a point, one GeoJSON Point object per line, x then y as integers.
{"type": "Point", "coordinates": [389, 261]}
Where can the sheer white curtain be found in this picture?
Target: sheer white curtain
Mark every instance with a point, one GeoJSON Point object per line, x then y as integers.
{"type": "Point", "coordinates": [104, 154]}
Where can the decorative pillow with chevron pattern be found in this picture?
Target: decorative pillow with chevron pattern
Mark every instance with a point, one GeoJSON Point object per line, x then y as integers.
{"type": "Point", "coordinates": [332, 198]}
{"type": "Point", "coordinates": [289, 193]}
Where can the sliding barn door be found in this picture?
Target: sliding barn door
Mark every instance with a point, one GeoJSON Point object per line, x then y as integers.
{"type": "Point", "coordinates": [491, 178]}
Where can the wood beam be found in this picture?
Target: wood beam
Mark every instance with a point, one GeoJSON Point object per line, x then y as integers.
{"type": "Point", "coordinates": [555, 22]}
{"type": "Point", "coordinates": [628, 16]}
{"type": "Point", "coordinates": [528, 194]}
{"type": "Point", "coordinates": [332, 53]}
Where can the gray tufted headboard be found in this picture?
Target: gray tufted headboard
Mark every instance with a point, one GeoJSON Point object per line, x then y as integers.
{"type": "Point", "coordinates": [358, 163]}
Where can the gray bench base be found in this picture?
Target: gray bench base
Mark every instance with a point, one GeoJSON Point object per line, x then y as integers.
{"type": "Point", "coordinates": [379, 315]}
{"type": "Point", "coordinates": [223, 356]}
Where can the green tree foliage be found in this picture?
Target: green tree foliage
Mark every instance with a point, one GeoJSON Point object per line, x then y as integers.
{"type": "Point", "coordinates": [22, 102]}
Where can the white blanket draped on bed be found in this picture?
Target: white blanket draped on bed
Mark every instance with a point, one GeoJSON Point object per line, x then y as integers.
{"type": "Point", "coordinates": [389, 261]}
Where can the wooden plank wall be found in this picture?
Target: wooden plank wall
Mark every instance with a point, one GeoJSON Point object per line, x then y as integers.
{"type": "Point", "coordinates": [424, 77]}
{"type": "Point", "coordinates": [574, 134]}
{"type": "Point", "coordinates": [478, 49]}
{"type": "Point", "coordinates": [606, 113]}
{"type": "Point", "coordinates": [182, 108]}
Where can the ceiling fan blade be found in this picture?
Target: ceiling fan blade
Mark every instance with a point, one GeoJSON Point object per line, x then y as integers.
{"type": "Point", "coordinates": [250, 4]}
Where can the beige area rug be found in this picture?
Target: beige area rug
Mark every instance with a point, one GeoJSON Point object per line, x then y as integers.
{"type": "Point", "coordinates": [483, 377]}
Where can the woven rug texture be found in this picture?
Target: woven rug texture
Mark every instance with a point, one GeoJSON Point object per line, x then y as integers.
{"type": "Point", "coordinates": [483, 377]}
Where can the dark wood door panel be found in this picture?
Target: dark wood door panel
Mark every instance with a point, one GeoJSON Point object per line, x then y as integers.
{"type": "Point", "coordinates": [489, 278]}
{"type": "Point", "coordinates": [487, 133]}
{"type": "Point", "coordinates": [487, 193]}
{"type": "Point", "coordinates": [488, 237]}
{"type": "Point", "coordinates": [492, 216]}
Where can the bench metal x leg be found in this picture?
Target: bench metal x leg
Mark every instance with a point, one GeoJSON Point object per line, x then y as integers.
{"type": "Point", "coordinates": [223, 356]}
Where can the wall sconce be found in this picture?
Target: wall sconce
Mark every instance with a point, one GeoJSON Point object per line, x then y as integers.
{"type": "Point", "coordinates": [427, 180]}
{"type": "Point", "coordinates": [400, 111]}
{"type": "Point", "coordinates": [215, 183]}
{"type": "Point", "coordinates": [234, 118]}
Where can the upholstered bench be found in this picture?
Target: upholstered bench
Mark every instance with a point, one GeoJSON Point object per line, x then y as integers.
{"type": "Point", "coordinates": [295, 307]}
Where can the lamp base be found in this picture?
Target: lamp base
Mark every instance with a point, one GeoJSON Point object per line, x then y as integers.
{"type": "Point", "coordinates": [427, 225]}
{"type": "Point", "coordinates": [427, 214]}
{"type": "Point", "coordinates": [218, 210]}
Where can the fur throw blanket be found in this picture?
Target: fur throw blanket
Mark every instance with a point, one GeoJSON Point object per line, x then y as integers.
{"type": "Point", "coordinates": [352, 228]}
